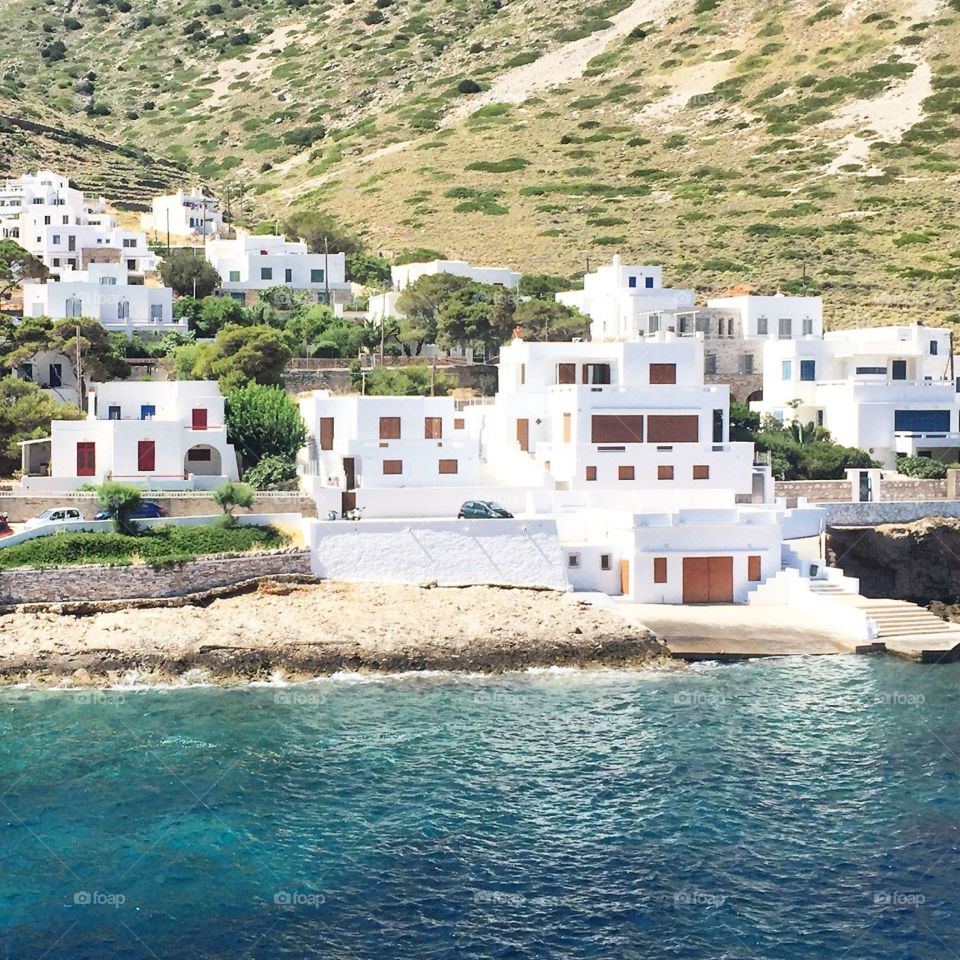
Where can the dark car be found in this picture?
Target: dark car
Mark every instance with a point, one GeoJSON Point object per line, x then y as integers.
{"type": "Point", "coordinates": [148, 510]}
{"type": "Point", "coordinates": [483, 510]}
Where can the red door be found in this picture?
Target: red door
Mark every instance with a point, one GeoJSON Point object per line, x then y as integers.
{"type": "Point", "coordinates": [146, 456]}
{"type": "Point", "coordinates": [86, 459]}
{"type": "Point", "coordinates": [200, 418]}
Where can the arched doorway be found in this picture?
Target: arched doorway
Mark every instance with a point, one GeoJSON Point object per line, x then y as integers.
{"type": "Point", "coordinates": [755, 397]}
{"type": "Point", "coordinates": [203, 461]}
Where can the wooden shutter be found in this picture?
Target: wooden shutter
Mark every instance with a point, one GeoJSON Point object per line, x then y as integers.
{"type": "Point", "coordinates": [86, 459]}
{"type": "Point", "coordinates": [523, 435]}
{"type": "Point", "coordinates": [448, 467]}
{"type": "Point", "coordinates": [616, 428]}
{"type": "Point", "coordinates": [664, 472]}
{"type": "Point", "coordinates": [673, 428]}
{"type": "Point", "coordinates": [326, 433]}
{"type": "Point", "coordinates": [625, 473]}
{"type": "Point", "coordinates": [392, 467]}
{"type": "Point", "coordinates": [389, 428]}
{"type": "Point", "coordinates": [659, 569]}
{"type": "Point", "coordinates": [199, 418]}
{"type": "Point", "coordinates": [663, 373]}
{"type": "Point", "coordinates": [591, 473]}
{"type": "Point", "coordinates": [701, 471]}
{"type": "Point", "coordinates": [433, 428]}
{"type": "Point", "coordinates": [147, 455]}
{"type": "Point", "coordinates": [753, 569]}
{"type": "Point", "coordinates": [566, 373]}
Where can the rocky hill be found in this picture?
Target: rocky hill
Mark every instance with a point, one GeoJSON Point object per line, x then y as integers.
{"type": "Point", "coordinates": [801, 145]}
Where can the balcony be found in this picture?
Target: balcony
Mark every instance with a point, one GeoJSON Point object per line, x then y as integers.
{"type": "Point", "coordinates": [909, 442]}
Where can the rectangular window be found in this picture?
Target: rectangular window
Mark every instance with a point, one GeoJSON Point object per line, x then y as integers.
{"type": "Point", "coordinates": [934, 348]}
{"type": "Point", "coordinates": [746, 363]}
{"type": "Point", "coordinates": [316, 276]}
{"type": "Point", "coordinates": [56, 239]}
{"type": "Point", "coordinates": [701, 471]}
{"type": "Point", "coordinates": [808, 326]}
{"type": "Point", "coordinates": [147, 411]}
{"type": "Point", "coordinates": [613, 428]}
{"type": "Point", "coordinates": [899, 370]}
{"type": "Point", "coordinates": [392, 468]}
{"type": "Point", "coordinates": [56, 375]}
{"type": "Point", "coordinates": [785, 328]}
{"type": "Point", "coordinates": [596, 373]}
{"type": "Point", "coordinates": [664, 472]}
{"type": "Point", "coordinates": [86, 459]}
{"type": "Point", "coordinates": [673, 428]}
{"type": "Point", "coordinates": [567, 427]}
{"type": "Point", "coordinates": [326, 433]}
{"type": "Point", "coordinates": [590, 473]}
{"type": "Point", "coordinates": [389, 428]}
{"type": "Point", "coordinates": [566, 373]}
{"type": "Point", "coordinates": [648, 282]}
{"type": "Point", "coordinates": [753, 569]}
{"type": "Point", "coordinates": [921, 421]}
{"type": "Point", "coordinates": [625, 473]}
{"type": "Point", "coordinates": [198, 418]}
{"type": "Point", "coordinates": [198, 453]}
{"type": "Point", "coordinates": [762, 326]}
{"type": "Point", "coordinates": [606, 561]}
{"type": "Point", "coordinates": [458, 423]}
{"type": "Point", "coordinates": [709, 363]}
{"type": "Point", "coordinates": [663, 373]}
{"type": "Point", "coordinates": [878, 371]}
{"type": "Point", "coordinates": [433, 428]}
{"type": "Point", "coordinates": [787, 370]}
{"type": "Point", "coordinates": [266, 273]}
{"type": "Point", "coordinates": [113, 413]}
{"type": "Point", "coordinates": [632, 283]}
{"type": "Point", "coordinates": [659, 569]}
{"type": "Point", "coordinates": [448, 467]}
{"type": "Point", "coordinates": [234, 276]}
{"type": "Point", "coordinates": [808, 370]}
{"type": "Point", "coordinates": [573, 561]}
{"type": "Point", "coordinates": [146, 456]}
{"type": "Point", "coordinates": [288, 275]}
{"type": "Point", "coordinates": [26, 371]}
{"type": "Point", "coordinates": [523, 374]}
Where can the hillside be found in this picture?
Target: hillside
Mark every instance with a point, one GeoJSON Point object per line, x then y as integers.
{"type": "Point", "coordinates": [731, 141]}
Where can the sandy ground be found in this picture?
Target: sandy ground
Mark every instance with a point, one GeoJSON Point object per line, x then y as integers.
{"type": "Point", "coordinates": [300, 631]}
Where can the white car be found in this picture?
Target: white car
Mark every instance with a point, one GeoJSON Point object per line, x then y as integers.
{"type": "Point", "coordinates": [54, 515]}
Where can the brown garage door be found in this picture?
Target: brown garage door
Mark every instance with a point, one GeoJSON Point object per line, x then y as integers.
{"type": "Point", "coordinates": [708, 579]}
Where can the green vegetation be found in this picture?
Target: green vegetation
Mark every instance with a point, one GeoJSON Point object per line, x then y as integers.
{"type": "Point", "coordinates": [263, 422]}
{"type": "Point", "coordinates": [17, 265]}
{"type": "Point", "coordinates": [229, 496]}
{"type": "Point", "coordinates": [120, 500]}
{"type": "Point", "coordinates": [923, 468]}
{"type": "Point", "coordinates": [25, 414]}
{"type": "Point", "coordinates": [156, 546]}
{"type": "Point", "coordinates": [188, 273]}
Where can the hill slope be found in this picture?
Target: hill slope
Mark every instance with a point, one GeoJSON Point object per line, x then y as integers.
{"type": "Point", "coordinates": [733, 141]}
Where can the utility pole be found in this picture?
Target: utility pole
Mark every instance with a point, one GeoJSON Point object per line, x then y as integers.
{"type": "Point", "coordinates": [433, 377]}
{"type": "Point", "coordinates": [326, 268]}
{"type": "Point", "coordinates": [804, 276]}
{"type": "Point", "coordinates": [168, 233]}
{"type": "Point", "coordinates": [79, 371]}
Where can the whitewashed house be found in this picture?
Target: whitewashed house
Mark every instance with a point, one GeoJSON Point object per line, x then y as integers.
{"type": "Point", "coordinates": [163, 435]}
{"type": "Point", "coordinates": [250, 263]}
{"type": "Point", "coordinates": [56, 223]}
{"type": "Point", "coordinates": [886, 390]}
{"type": "Point", "coordinates": [184, 214]}
{"type": "Point", "coordinates": [103, 292]}
{"type": "Point", "coordinates": [53, 373]}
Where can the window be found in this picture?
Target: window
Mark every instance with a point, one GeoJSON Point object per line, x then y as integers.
{"type": "Point", "coordinates": [596, 373]}
{"type": "Point", "coordinates": [819, 418]}
{"type": "Point", "coordinates": [326, 433]}
{"type": "Point", "coordinates": [659, 569]}
{"type": "Point", "coordinates": [156, 312]}
{"type": "Point", "coordinates": [448, 467]}
{"type": "Point", "coordinates": [86, 459]}
{"type": "Point", "coordinates": [922, 421]}
{"type": "Point", "coordinates": [762, 327]}
{"type": "Point", "coordinates": [663, 373]}
{"type": "Point", "coordinates": [613, 428]}
{"type": "Point", "coordinates": [288, 275]}
{"type": "Point", "coordinates": [147, 411]}
{"type": "Point", "coordinates": [566, 373]}
{"type": "Point", "coordinates": [108, 281]}
{"type": "Point", "coordinates": [934, 348]}
{"type": "Point", "coordinates": [753, 569]}
{"type": "Point", "coordinates": [673, 428]}
{"type": "Point", "coordinates": [458, 423]}
{"type": "Point", "coordinates": [701, 471]}
{"type": "Point", "coordinates": [648, 282]}
{"type": "Point", "coordinates": [632, 283]}
{"type": "Point", "coordinates": [432, 428]}
{"type": "Point", "coordinates": [26, 371]}
{"type": "Point", "coordinates": [746, 363]}
{"type": "Point", "coordinates": [625, 473]}
{"type": "Point", "coordinates": [808, 326]}
{"type": "Point", "coordinates": [123, 310]}
{"type": "Point", "coordinates": [392, 467]}
{"type": "Point", "coordinates": [234, 276]}
{"type": "Point", "coordinates": [664, 472]}
{"type": "Point", "coordinates": [146, 456]}
{"type": "Point", "coordinates": [198, 454]}
{"type": "Point", "coordinates": [606, 561]}
{"type": "Point", "coordinates": [785, 328]}
{"type": "Point", "coordinates": [787, 369]}
{"type": "Point", "coordinates": [316, 276]}
{"type": "Point", "coordinates": [198, 418]}
{"type": "Point", "coordinates": [573, 561]}
{"type": "Point", "coordinates": [709, 363]}
{"type": "Point", "coordinates": [389, 428]}
{"type": "Point", "coordinates": [899, 370]}
{"type": "Point", "coordinates": [73, 307]}
{"type": "Point", "coordinates": [880, 371]}
{"type": "Point", "coordinates": [808, 370]}
{"type": "Point", "coordinates": [590, 473]}
{"type": "Point", "coordinates": [56, 239]}
{"type": "Point", "coordinates": [130, 243]}
{"type": "Point", "coordinates": [523, 374]}
{"type": "Point", "coordinates": [113, 413]}
{"type": "Point", "coordinates": [266, 273]}
{"type": "Point", "coordinates": [567, 427]}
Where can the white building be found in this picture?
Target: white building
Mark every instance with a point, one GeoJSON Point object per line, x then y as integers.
{"type": "Point", "coordinates": [774, 318]}
{"type": "Point", "coordinates": [166, 435]}
{"type": "Point", "coordinates": [251, 263]}
{"type": "Point", "coordinates": [182, 214]}
{"type": "Point", "coordinates": [53, 221]}
{"type": "Point", "coordinates": [619, 300]}
{"type": "Point", "coordinates": [103, 292]}
{"type": "Point", "coordinates": [886, 390]}
{"type": "Point", "coordinates": [53, 373]}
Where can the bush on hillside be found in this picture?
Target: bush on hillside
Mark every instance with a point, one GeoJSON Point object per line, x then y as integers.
{"type": "Point", "coordinates": [272, 473]}
{"type": "Point", "coordinates": [923, 468]}
{"type": "Point", "coordinates": [468, 86]}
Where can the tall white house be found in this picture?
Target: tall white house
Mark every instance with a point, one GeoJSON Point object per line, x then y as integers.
{"type": "Point", "coordinates": [621, 300]}
{"type": "Point", "coordinates": [54, 221]}
{"type": "Point", "coordinates": [250, 263]}
{"type": "Point", "coordinates": [103, 292]}
{"type": "Point", "coordinates": [184, 214]}
{"type": "Point", "coordinates": [165, 435]}
{"type": "Point", "coordinates": [886, 390]}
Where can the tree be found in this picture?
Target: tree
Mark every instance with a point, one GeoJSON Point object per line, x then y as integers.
{"type": "Point", "coordinates": [322, 231]}
{"type": "Point", "coordinates": [120, 500]}
{"type": "Point", "coordinates": [420, 304]}
{"type": "Point", "coordinates": [369, 269]}
{"type": "Point", "coordinates": [272, 473]}
{"type": "Point", "coordinates": [17, 265]}
{"type": "Point", "coordinates": [217, 312]}
{"type": "Point", "coordinates": [239, 355]}
{"type": "Point", "coordinates": [412, 381]}
{"type": "Point", "coordinates": [542, 286]}
{"type": "Point", "coordinates": [264, 422]}
{"type": "Point", "coordinates": [420, 255]}
{"type": "Point", "coordinates": [549, 320]}
{"type": "Point", "coordinates": [25, 414]}
{"type": "Point", "coordinates": [228, 496]}
{"type": "Point", "coordinates": [188, 273]}
{"type": "Point", "coordinates": [476, 313]}
{"type": "Point", "coordinates": [99, 359]}
{"type": "Point", "coordinates": [21, 340]}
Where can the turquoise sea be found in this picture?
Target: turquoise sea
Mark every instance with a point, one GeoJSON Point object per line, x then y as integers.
{"type": "Point", "coordinates": [782, 809]}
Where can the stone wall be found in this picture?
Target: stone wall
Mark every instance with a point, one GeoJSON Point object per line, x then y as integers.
{"type": "Point", "coordinates": [871, 514]}
{"type": "Point", "coordinates": [816, 491]}
{"type": "Point", "coordinates": [22, 508]}
{"type": "Point", "coordinates": [26, 585]}
{"type": "Point", "coordinates": [905, 489]}
{"type": "Point", "coordinates": [911, 489]}
{"type": "Point", "coordinates": [481, 377]}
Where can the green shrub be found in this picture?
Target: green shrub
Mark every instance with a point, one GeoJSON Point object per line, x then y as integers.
{"type": "Point", "coordinates": [468, 86]}
{"type": "Point", "coordinates": [272, 473]}
{"type": "Point", "coordinates": [923, 468]}
{"type": "Point", "coordinates": [507, 165]}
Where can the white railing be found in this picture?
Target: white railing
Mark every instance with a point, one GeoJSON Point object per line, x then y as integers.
{"type": "Point", "coordinates": [145, 493]}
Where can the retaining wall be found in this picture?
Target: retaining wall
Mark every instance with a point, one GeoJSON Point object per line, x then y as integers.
{"type": "Point", "coordinates": [870, 514]}
{"type": "Point", "coordinates": [26, 585]}
{"type": "Point", "coordinates": [836, 491]}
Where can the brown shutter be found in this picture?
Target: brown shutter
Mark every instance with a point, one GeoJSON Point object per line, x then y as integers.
{"type": "Point", "coordinates": [663, 373]}
{"type": "Point", "coordinates": [664, 472]}
{"type": "Point", "coordinates": [566, 427]}
{"type": "Point", "coordinates": [392, 467]}
{"type": "Point", "coordinates": [607, 428]}
{"type": "Point", "coordinates": [625, 473]}
{"type": "Point", "coordinates": [701, 472]}
{"type": "Point", "coordinates": [659, 569]}
{"type": "Point", "coordinates": [389, 428]}
{"type": "Point", "coordinates": [566, 373]}
{"type": "Point", "coordinates": [753, 569]}
{"type": "Point", "coordinates": [448, 467]}
{"type": "Point", "coordinates": [433, 428]}
{"type": "Point", "coordinates": [673, 428]}
{"type": "Point", "coordinates": [591, 473]}
{"type": "Point", "coordinates": [146, 456]}
{"type": "Point", "coordinates": [326, 433]}
{"type": "Point", "coordinates": [523, 435]}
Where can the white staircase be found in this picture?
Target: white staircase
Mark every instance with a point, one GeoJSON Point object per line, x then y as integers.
{"type": "Point", "coordinates": [898, 618]}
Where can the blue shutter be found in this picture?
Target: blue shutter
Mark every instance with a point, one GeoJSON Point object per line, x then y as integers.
{"type": "Point", "coordinates": [922, 421]}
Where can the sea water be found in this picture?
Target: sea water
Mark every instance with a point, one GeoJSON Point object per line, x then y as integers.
{"type": "Point", "coordinates": [791, 808]}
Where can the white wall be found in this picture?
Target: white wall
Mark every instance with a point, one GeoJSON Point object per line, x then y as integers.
{"type": "Point", "coordinates": [409, 273]}
{"type": "Point", "coordinates": [804, 315]}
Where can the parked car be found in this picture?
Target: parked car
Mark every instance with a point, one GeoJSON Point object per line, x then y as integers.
{"type": "Point", "coordinates": [54, 515]}
{"type": "Point", "coordinates": [148, 510]}
{"type": "Point", "coordinates": [483, 510]}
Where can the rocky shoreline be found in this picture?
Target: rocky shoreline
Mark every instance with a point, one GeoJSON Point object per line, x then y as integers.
{"type": "Point", "coordinates": [299, 631]}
